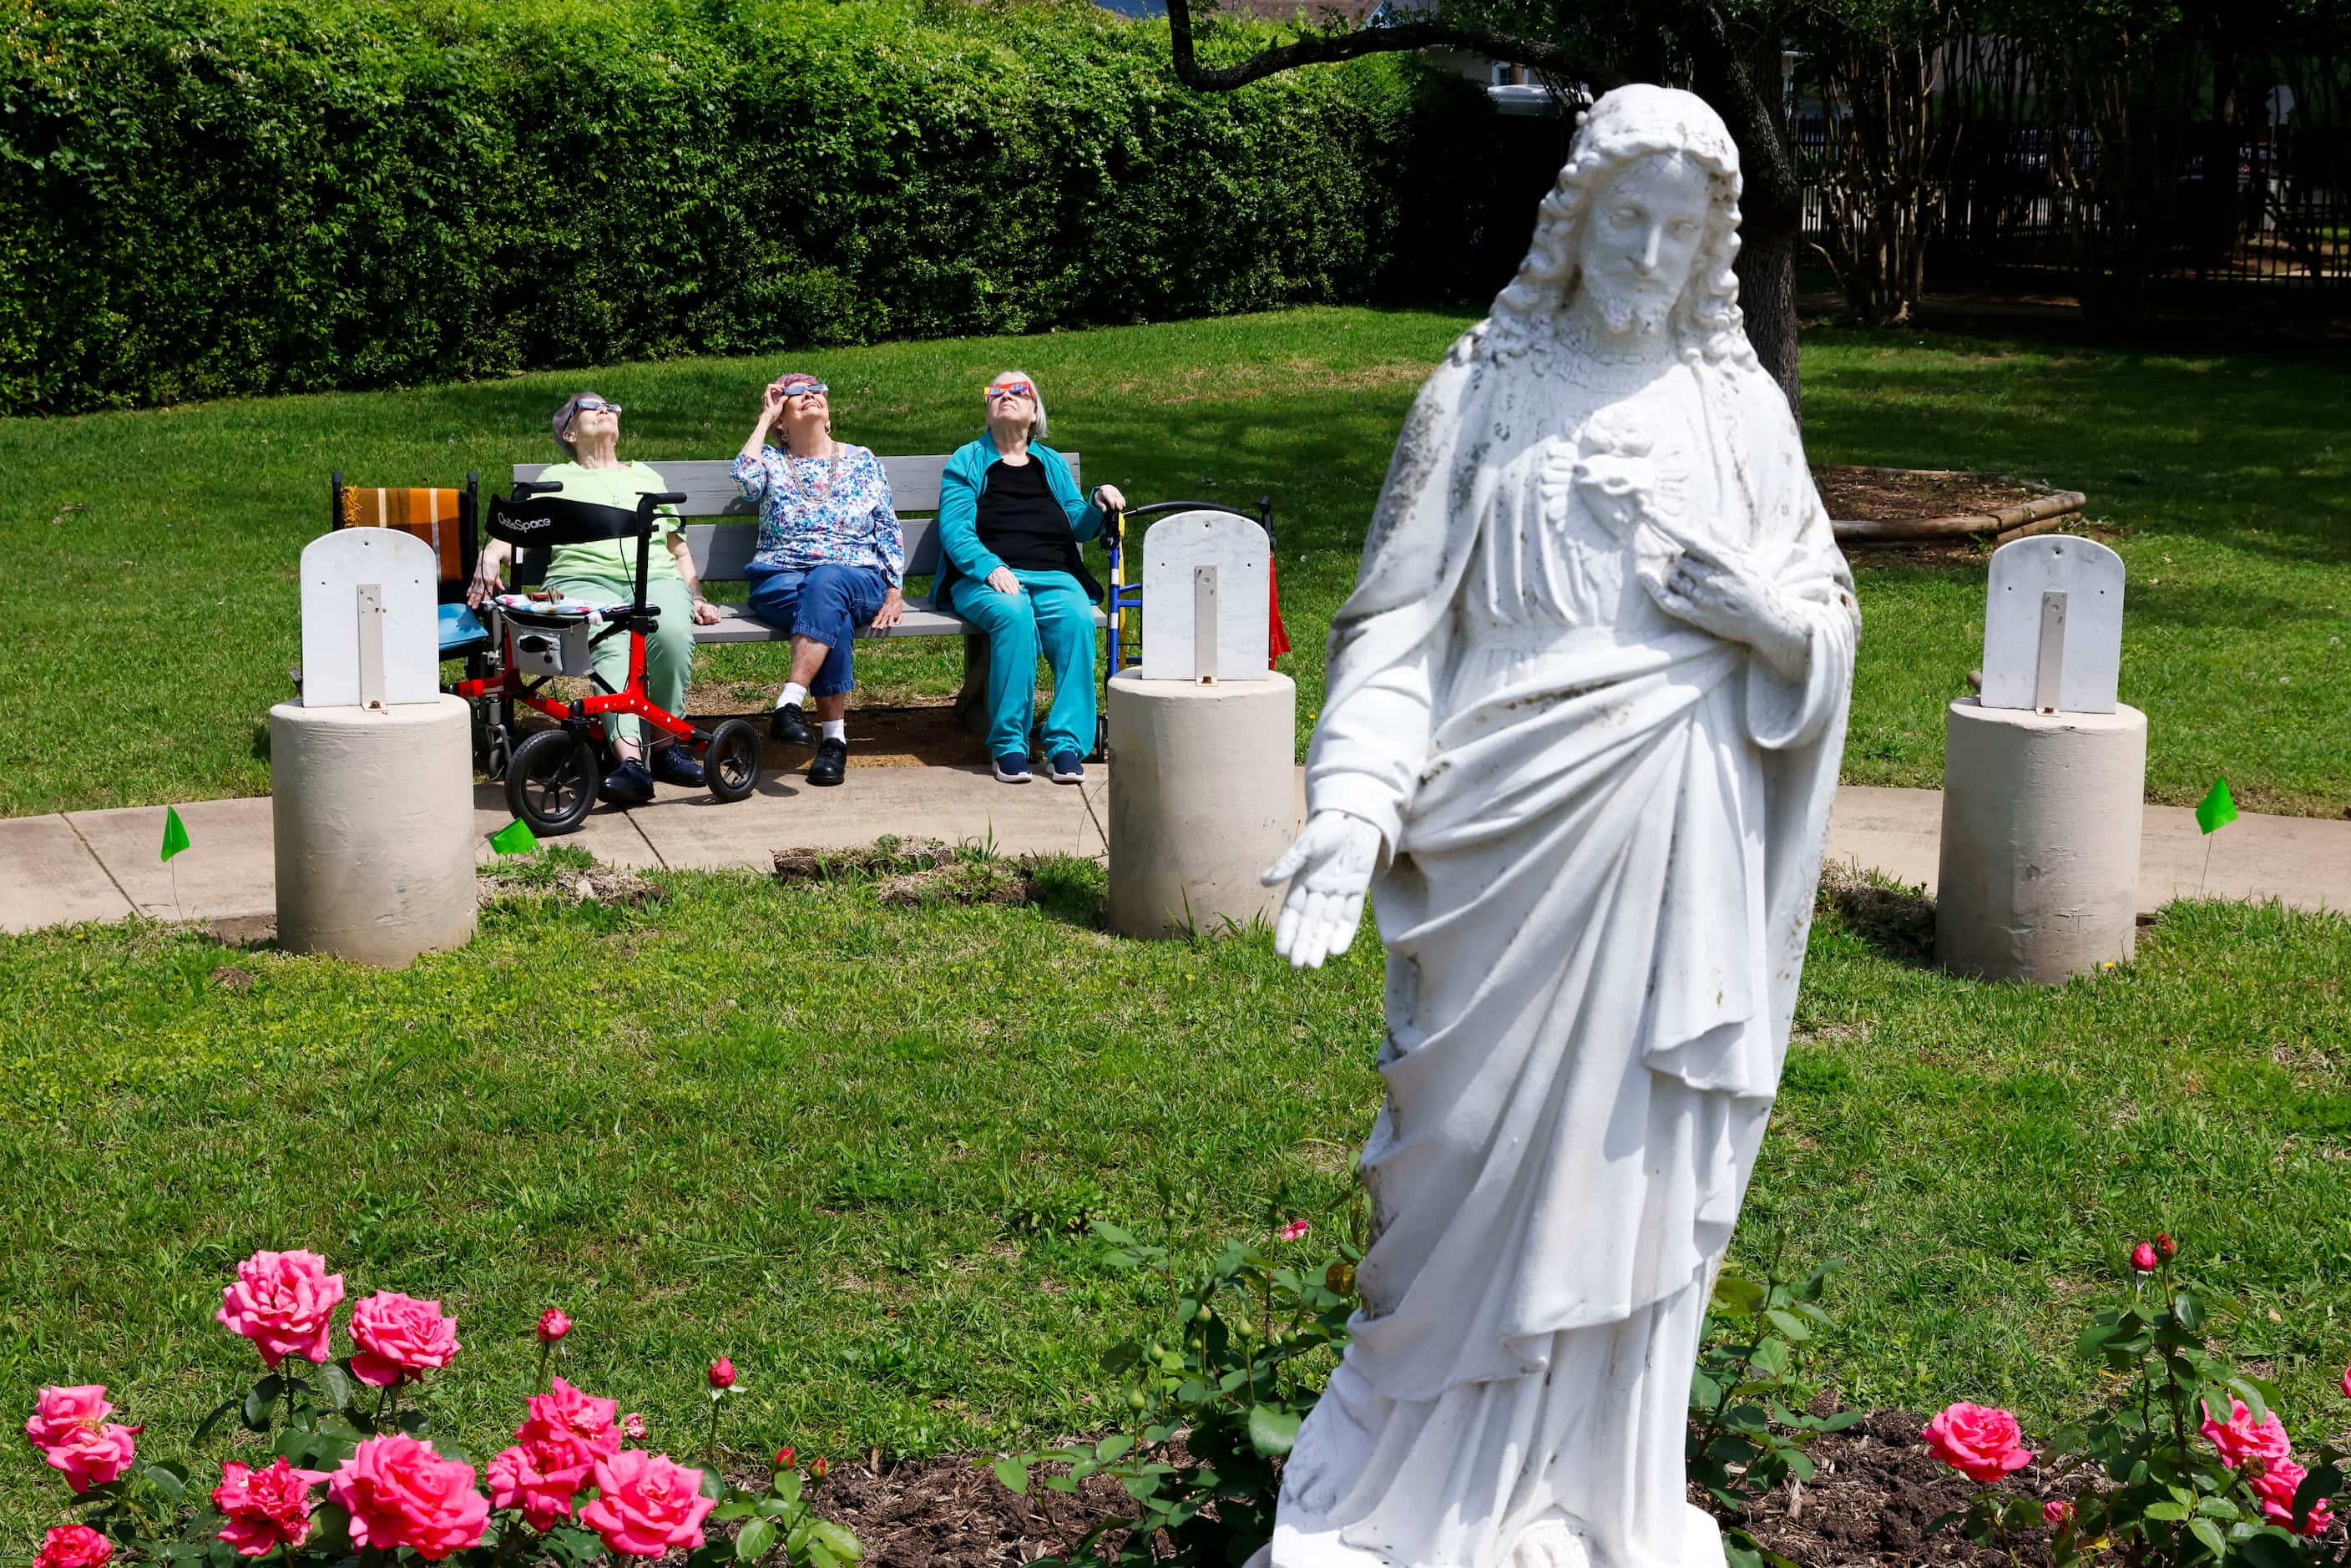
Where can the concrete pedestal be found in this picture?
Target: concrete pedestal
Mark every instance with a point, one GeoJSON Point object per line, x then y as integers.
{"type": "Point", "coordinates": [2042, 819]}
{"type": "Point", "coordinates": [372, 815]}
{"type": "Point", "coordinates": [1203, 798]}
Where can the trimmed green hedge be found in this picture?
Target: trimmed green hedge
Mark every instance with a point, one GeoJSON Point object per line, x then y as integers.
{"type": "Point", "coordinates": [213, 197]}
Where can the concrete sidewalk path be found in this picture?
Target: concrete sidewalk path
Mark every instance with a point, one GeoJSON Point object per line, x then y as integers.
{"type": "Point", "coordinates": [104, 865]}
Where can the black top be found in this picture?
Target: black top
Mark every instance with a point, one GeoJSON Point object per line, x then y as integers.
{"type": "Point", "coordinates": [1019, 520]}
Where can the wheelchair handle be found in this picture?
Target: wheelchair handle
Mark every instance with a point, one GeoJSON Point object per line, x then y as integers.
{"type": "Point", "coordinates": [648, 499]}
{"type": "Point", "coordinates": [524, 487]}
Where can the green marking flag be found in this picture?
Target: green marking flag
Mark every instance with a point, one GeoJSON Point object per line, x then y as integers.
{"type": "Point", "coordinates": [175, 832]}
{"type": "Point", "coordinates": [515, 838]}
{"type": "Point", "coordinates": [2217, 808]}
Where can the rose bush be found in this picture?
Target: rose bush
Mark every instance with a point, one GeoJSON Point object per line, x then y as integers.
{"type": "Point", "coordinates": [353, 1472]}
{"type": "Point", "coordinates": [2164, 1481]}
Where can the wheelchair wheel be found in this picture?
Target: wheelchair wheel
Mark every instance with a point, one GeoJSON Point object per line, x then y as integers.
{"type": "Point", "coordinates": [731, 763]}
{"type": "Point", "coordinates": [551, 781]}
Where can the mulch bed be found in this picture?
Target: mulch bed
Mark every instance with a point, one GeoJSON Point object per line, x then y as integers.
{"type": "Point", "coordinates": [1895, 495]}
{"type": "Point", "coordinates": [1877, 1490]}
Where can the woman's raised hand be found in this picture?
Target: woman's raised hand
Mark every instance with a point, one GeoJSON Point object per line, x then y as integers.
{"type": "Point", "coordinates": [771, 403]}
{"type": "Point", "coordinates": [1329, 868]}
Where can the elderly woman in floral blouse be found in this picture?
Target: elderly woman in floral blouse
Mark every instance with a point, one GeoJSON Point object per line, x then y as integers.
{"type": "Point", "coordinates": [830, 561]}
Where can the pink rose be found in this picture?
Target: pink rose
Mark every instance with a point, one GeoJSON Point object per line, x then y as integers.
{"type": "Point", "coordinates": [2347, 1383]}
{"type": "Point", "coordinates": [722, 1374]}
{"type": "Point", "coordinates": [633, 1427]}
{"type": "Point", "coordinates": [399, 1337]}
{"type": "Point", "coordinates": [2276, 1486]}
{"type": "Point", "coordinates": [1980, 1442]}
{"type": "Point", "coordinates": [400, 1493]}
{"type": "Point", "coordinates": [1293, 1230]}
{"type": "Point", "coordinates": [571, 1428]}
{"type": "Point", "coordinates": [784, 1459]}
{"type": "Point", "coordinates": [265, 1508]}
{"type": "Point", "coordinates": [2241, 1438]}
{"type": "Point", "coordinates": [2054, 1514]}
{"type": "Point", "coordinates": [285, 1303]}
{"type": "Point", "coordinates": [70, 1429]}
{"type": "Point", "coordinates": [553, 1325]}
{"type": "Point", "coordinates": [2166, 1245]}
{"type": "Point", "coordinates": [73, 1546]}
{"type": "Point", "coordinates": [521, 1477]}
{"type": "Point", "coordinates": [647, 1504]}
{"type": "Point", "coordinates": [2143, 1257]}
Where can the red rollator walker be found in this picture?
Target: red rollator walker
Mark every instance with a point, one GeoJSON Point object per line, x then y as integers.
{"type": "Point", "coordinates": [553, 775]}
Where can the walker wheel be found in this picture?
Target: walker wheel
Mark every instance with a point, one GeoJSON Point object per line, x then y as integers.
{"type": "Point", "coordinates": [551, 781]}
{"type": "Point", "coordinates": [730, 765]}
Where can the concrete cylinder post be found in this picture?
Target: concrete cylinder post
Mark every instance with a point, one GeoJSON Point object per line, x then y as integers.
{"type": "Point", "coordinates": [2041, 818]}
{"type": "Point", "coordinates": [374, 821]}
{"type": "Point", "coordinates": [1203, 798]}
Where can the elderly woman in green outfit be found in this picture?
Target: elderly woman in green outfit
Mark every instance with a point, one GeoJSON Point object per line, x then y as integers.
{"type": "Point", "coordinates": [1009, 521]}
{"type": "Point", "coordinates": [588, 431]}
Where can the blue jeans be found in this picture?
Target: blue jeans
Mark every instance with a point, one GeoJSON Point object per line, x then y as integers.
{"type": "Point", "coordinates": [1050, 615]}
{"type": "Point", "coordinates": [829, 604]}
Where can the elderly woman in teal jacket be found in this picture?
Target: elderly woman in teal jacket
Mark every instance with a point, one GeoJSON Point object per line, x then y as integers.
{"type": "Point", "coordinates": [1009, 521]}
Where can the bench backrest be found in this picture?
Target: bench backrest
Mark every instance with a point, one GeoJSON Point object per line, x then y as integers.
{"type": "Point", "coordinates": [722, 550]}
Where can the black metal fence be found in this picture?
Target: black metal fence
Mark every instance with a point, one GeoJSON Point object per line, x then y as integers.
{"type": "Point", "coordinates": [2273, 210]}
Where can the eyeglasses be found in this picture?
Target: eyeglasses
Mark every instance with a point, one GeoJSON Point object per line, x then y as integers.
{"type": "Point", "coordinates": [806, 389]}
{"type": "Point", "coordinates": [593, 405]}
{"type": "Point", "coordinates": [1011, 389]}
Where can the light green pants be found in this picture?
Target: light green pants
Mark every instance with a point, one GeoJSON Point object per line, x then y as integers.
{"type": "Point", "coordinates": [669, 651]}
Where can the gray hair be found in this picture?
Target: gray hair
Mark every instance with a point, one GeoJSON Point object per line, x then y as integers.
{"type": "Point", "coordinates": [1036, 427]}
{"type": "Point", "coordinates": [1624, 128]}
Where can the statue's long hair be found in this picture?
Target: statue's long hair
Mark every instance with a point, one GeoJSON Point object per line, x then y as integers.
{"type": "Point", "coordinates": [1625, 126]}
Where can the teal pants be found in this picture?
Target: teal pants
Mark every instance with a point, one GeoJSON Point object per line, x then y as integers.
{"type": "Point", "coordinates": [1050, 615]}
{"type": "Point", "coordinates": [669, 651]}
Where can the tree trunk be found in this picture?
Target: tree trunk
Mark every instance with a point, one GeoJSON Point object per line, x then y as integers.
{"type": "Point", "coordinates": [1767, 295]}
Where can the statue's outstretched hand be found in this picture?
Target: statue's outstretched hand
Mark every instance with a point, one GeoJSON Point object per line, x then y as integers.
{"type": "Point", "coordinates": [1328, 868]}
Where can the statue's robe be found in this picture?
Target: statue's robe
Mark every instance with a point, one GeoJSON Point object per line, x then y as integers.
{"type": "Point", "coordinates": [1602, 834]}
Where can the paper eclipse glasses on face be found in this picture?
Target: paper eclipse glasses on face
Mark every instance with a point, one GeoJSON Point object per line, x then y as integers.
{"type": "Point", "coordinates": [594, 405]}
{"type": "Point", "coordinates": [804, 389]}
{"type": "Point", "coordinates": [1011, 389]}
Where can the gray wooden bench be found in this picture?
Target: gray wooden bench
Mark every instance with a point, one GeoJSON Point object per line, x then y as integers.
{"type": "Point", "coordinates": [722, 549]}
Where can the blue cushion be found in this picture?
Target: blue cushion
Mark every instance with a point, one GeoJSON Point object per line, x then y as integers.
{"type": "Point", "coordinates": [460, 631]}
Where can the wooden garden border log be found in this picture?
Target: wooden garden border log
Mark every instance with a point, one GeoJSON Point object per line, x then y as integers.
{"type": "Point", "coordinates": [2036, 516]}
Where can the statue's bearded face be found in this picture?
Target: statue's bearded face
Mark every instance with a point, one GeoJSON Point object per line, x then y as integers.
{"type": "Point", "coordinates": [1640, 235]}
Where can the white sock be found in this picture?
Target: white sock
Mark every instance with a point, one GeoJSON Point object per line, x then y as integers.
{"type": "Point", "coordinates": [794, 694]}
{"type": "Point", "coordinates": [833, 730]}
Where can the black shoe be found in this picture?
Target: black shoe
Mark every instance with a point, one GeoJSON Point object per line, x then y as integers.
{"type": "Point", "coordinates": [628, 785]}
{"type": "Point", "coordinates": [1068, 768]}
{"type": "Point", "coordinates": [791, 727]}
{"type": "Point", "coordinates": [672, 764]}
{"type": "Point", "coordinates": [831, 761]}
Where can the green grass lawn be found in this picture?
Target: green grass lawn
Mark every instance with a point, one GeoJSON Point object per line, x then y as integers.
{"type": "Point", "coordinates": [150, 556]}
{"type": "Point", "coordinates": [833, 1140]}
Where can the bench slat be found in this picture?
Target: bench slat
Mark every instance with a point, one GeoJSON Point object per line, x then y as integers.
{"type": "Point", "coordinates": [710, 492]}
{"type": "Point", "coordinates": [738, 624]}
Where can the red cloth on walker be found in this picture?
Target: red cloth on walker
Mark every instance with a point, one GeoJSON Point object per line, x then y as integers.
{"type": "Point", "coordinates": [1277, 638]}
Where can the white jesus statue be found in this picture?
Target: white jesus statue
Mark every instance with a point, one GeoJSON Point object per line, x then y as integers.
{"type": "Point", "coordinates": [1582, 730]}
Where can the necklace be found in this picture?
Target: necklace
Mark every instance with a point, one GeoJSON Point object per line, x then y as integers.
{"type": "Point", "coordinates": [819, 494]}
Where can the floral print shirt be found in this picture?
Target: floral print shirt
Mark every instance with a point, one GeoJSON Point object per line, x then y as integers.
{"type": "Point", "coordinates": [819, 511]}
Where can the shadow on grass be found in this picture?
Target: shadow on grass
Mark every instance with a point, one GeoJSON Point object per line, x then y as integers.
{"type": "Point", "coordinates": [1895, 919]}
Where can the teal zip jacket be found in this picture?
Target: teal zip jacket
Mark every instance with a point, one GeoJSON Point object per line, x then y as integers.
{"type": "Point", "coordinates": [960, 552]}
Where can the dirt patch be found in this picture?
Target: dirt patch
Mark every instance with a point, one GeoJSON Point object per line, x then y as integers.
{"type": "Point", "coordinates": [598, 883]}
{"type": "Point", "coordinates": [911, 872]}
{"type": "Point", "coordinates": [1878, 1489]}
{"type": "Point", "coordinates": [1902, 496]}
{"type": "Point", "coordinates": [1898, 921]}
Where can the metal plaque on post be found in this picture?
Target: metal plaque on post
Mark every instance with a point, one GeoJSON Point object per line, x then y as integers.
{"type": "Point", "coordinates": [371, 630]}
{"type": "Point", "coordinates": [1206, 598]}
{"type": "Point", "coordinates": [2053, 626]}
